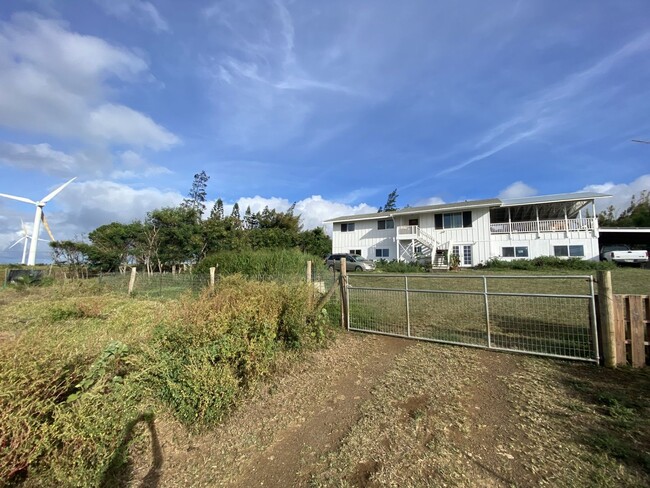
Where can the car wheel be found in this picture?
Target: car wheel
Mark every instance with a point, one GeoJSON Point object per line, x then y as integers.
{"type": "Point", "coordinates": [358, 268]}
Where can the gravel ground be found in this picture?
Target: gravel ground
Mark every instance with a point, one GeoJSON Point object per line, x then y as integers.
{"type": "Point", "coordinates": [379, 411]}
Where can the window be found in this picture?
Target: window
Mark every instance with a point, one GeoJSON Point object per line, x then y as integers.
{"type": "Point", "coordinates": [511, 252]}
{"type": "Point", "coordinates": [418, 249]}
{"type": "Point", "coordinates": [347, 227]}
{"type": "Point", "coordinates": [355, 251]}
{"type": "Point", "coordinates": [381, 253]}
{"type": "Point", "coordinates": [577, 251]}
{"type": "Point", "coordinates": [569, 251]}
{"type": "Point", "coordinates": [414, 221]}
{"type": "Point", "coordinates": [454, 220]}
{"type": "Point", "coordinates": [385, 224]}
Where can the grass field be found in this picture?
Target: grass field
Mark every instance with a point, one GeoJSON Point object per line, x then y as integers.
{"type": "Point", "coordinates": [451, 307]}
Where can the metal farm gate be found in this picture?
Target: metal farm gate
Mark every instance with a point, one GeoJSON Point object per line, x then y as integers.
{"type": "Point", "coordinates": [544, 315]}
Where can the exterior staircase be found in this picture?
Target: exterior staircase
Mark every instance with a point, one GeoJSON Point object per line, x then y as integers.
{"type": "Point", "coordinates": [423, 247]}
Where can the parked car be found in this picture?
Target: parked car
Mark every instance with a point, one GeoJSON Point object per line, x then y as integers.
{"type": "Point", "coordinates": [353, 262]}
{"type": "Point", "coordinates": [621, 253]}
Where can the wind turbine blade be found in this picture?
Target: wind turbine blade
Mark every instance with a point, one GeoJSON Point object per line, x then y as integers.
{"type": "Point", "coordinates": [16, 242]}
{"type": "Point", "coordinates": [57, 191]}
{"type": "Point", "coordinates": [20, 199]}
{"type": "Point", "coordinates": [23, 228]}
{"type": "Point", "coordinates": [47, 226]}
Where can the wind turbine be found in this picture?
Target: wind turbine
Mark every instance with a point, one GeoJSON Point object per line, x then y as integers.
{"type": "Point", "coordinates": [24, 238]}
{"type": "Point", "coordinates": [38, 217]}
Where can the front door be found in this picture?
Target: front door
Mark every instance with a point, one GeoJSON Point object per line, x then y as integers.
{"type": "Point", "coordinates": [464, 252]}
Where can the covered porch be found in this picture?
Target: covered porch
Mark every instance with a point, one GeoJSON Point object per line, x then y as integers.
{"type": "Point", "coordinates": [565, 216]}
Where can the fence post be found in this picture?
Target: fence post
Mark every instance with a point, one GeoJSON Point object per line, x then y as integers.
{"type": "Point", "coordinates": [487, 311]}
{"type": "Point", "coordinates": [310, 289]}
{"type": "Point", "coordinates": [213, 270]}
{"type": "Point", "coordinates": [408, 308]}
{"type": "Point", "coordinates": [344, 295]}
{"type": "Point", "coordinates": [607, 318]}
{"type": "Point", "coordinates": [132, 280]}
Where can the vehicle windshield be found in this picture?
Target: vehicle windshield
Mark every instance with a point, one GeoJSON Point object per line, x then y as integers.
{"type": "Point", "coordinates": [618, 247]}
{"type": "Point", "coordinates": [358, 258]}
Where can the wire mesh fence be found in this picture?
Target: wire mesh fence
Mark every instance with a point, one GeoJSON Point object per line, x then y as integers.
{"type": "Point", "coordinates": [548, 315]}
{"type": "Point", "coordinates": [172, 285]}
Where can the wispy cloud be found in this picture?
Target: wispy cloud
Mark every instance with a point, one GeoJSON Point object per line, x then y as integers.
{"type": "Point", "coordinates": [548, 109]}
{"type": "Point", "coordinates": [142, 11]}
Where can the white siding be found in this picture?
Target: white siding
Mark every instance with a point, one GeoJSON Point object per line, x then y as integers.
{"type": "Point", "coordinates": [485, 245]}
{"type": "Point", "coordinates": [365, 237]}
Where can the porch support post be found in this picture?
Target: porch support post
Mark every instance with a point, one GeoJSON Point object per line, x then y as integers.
{"type": "Point", "coordinates": [594, 221]}
{"type": "Point", "coordinates": [566, 223]}
{"type": "Point", "coordinates": [537, 218]}
{"type": "Point", "coordinates": [509, 224]}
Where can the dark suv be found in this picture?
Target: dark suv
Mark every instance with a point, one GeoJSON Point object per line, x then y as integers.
{"type": "Point", "coordinates": [353, 262]}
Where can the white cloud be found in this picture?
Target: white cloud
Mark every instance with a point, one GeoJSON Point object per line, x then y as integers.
{"type": "Point", "coordinates": [122, 125]}
{"type": "Point", "coordinates": [89, 204]}
{"type": "Point", "coordinates": [144, 12]}
{"type": "Point", "coordinates": [312, 210]}
{"type": "Point", "coordinates": [621, 192]}
{"type": "Point", "coordinates": [37, 157]}
{"type": "Point", "coordinates": [518, 189]}
{"type": "Point", "coordinates": [55, 82]}
{"type": "Point", "coordinates": [429, 201]}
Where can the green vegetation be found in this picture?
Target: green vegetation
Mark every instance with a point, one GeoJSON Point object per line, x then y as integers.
{"type": "Point", "coordinates": [399, 267]}
{"type": "Point", "coordinates": [180, 235]}
{"type": "Point", "coordinates": [637, 214]}
{"type": "Point", "coordinates": [261, 263]}
{"type": "Point", "coordinates": [79, 369]}
{"type": "Point", "coordinates": [546, 263]}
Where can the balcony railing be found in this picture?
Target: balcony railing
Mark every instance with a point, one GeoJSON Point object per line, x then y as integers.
{"type": "Point", "coordinates": [408, 230]}
{"type": "Point", "coordinates": [558, 225]}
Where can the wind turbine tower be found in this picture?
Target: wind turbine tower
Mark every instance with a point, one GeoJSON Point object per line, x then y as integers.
{"type": "Point", "coordinates": [39, 217]}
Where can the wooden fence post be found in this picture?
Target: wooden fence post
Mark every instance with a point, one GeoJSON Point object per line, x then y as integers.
{"type": "Point", "coordinates": [213, 270]}
{"type": "Point", "coordinates": [132, 280]}
{"type": "Point", "coordinates": [344, 295]}
{"type": "Point", "coordinates": [310, 288]}
{"type": "Point", "coordinates": [607, 317]}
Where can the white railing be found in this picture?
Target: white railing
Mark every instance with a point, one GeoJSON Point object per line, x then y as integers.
{"type": "Point", "coordinates": [408, 230]}
{"type": "Point", "coordinates": [557, 225]}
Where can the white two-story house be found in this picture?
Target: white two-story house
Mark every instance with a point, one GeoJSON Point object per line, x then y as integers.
{"type": "Point", "coordinates": [552, 225]}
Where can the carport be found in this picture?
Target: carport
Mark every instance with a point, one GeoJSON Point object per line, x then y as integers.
{"type": "Point", "coordinates": [635, 237]}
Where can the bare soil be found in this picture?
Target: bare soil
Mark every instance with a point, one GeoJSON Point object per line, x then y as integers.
{"type": "Point", "coordinates": [376, 411]}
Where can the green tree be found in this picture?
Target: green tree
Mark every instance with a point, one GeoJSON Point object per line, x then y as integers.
{"type": "Point", "coordinates": [637, 213]}
{"type": "Point", "coordinates": [217, 210]}
{"type": "Point", "coordinates": [197, 195]}
{"type": "Point", "coordinates": [180, 236]}
{"type": "Point", "coordinates": [315, 241]}
{"type": "Point", "coordinates": [391, 202]}
{"type": "Point", "coordinates": [113, 245]}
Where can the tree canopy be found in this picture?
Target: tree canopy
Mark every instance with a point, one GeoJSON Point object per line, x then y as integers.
{"type": "Point", "coordinates": [179, 235]}
{"type": "Point", "coordinates": [637, 213]}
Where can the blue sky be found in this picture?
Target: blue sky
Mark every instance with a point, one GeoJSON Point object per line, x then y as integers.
{"type": "Point", "coordinates": [330, 104]}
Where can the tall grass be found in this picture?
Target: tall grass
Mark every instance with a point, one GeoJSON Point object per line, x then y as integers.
{"type": "Point", "coordinates": [76, 371]}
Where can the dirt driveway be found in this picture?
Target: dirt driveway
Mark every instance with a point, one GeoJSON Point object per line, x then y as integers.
{"type": "Point", "coordinates": [380, 411]}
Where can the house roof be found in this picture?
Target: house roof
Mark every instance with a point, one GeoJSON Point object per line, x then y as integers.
{"type": "Point", "coordinates": [469, 204]}
{"type": "Point", "coordinates": [561, 197]}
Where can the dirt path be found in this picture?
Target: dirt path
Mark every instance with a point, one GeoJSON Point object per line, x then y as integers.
{"type": "Point", "coordinates": [374, 411]}
{"type": "Point", "coordinates": [276, 436]}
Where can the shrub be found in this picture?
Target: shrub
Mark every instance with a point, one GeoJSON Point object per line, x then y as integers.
{"type": "Point", "coordinates": [546, 262]}
{"type": "Point", "coordinates": [263, 263]}
{"type": "Point", "coordinates": [400, 267]}
{"type": "Point", "coordinates": [223, 342]}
